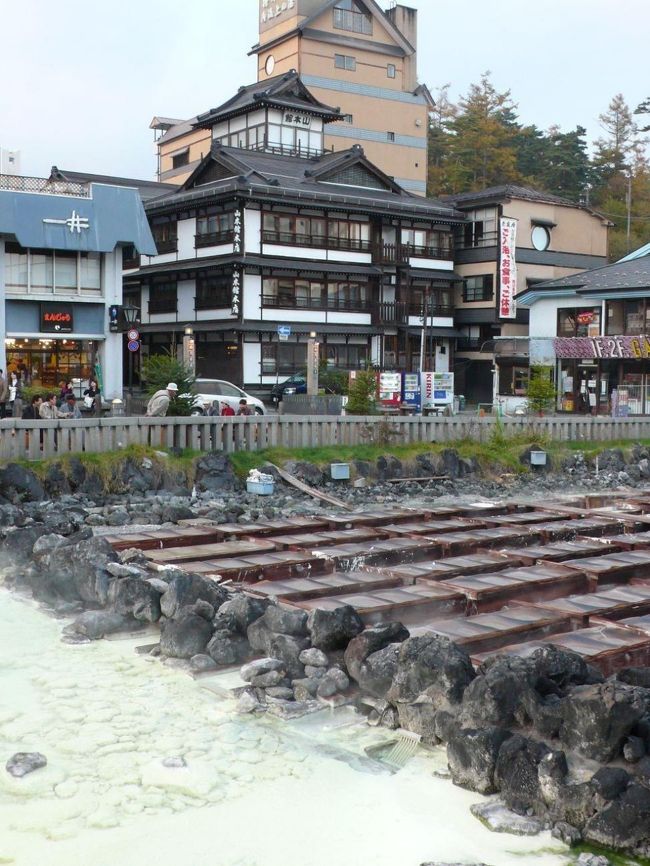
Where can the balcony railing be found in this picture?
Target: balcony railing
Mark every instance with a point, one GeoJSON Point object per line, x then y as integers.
{"type": "Point", "coordinates": [213, 239]}
{"type": "Point", "coordinates": [214, 302]}
{"type": "Point", "coordinates": [354, 305]}
{"type": "Point", "coordinates": [321, 241]}
{"type": "Point", "coordinates": [390, 254]}
{"type": "Point", "coordinates": [486, 239]}
{"type": "Point", "coordinates": [162, 305]}
{"type": "Point", "coordinates": [166, 246]}
{"type": "Point", "coordinates": [44, 186]}
{"type": "Point", "coordinates": [399, 312]}
{"type": "Point", "coordinates": [430, 252]}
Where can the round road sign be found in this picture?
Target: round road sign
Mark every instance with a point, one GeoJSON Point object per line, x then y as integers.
{"type": "Point", "coordinates": [133, 345]}
{"type": "Point", "coordinates": [132, 334]}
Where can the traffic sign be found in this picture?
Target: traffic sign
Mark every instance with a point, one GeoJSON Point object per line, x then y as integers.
{"type": "Point", "coordinates": [284, 332]}
{"type": "Point", "coordinates": [132, 334]}
{"type": "Point", "coordinates": [133, 345]}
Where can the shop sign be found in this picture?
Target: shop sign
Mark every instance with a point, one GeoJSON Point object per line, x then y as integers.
{"type": "Point", "coordinates": [603, 347]}
{"type": "Point", "coordinates": [296, 119]}
{"type": "Point", "coordinates": [507, 268]}
{"type": "Point", "coordinates": [236, 291]}
{"type": "Point", "coordinates": [75, 222]}
{"type": "Point", "coordinates": [585, 318]}
{"type": "Point", "coordinates": [271, 9]}
{"type": "Point", "coordinates": [57, 318]}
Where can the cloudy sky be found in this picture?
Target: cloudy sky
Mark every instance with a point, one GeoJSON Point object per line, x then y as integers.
{"type": "Point", "coordinates": [81, 79]}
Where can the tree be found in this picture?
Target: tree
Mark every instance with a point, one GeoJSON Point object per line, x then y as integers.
{"type": "Point", "coordinates": [614, 152]}
{"type": "Point", "coordinates": [362, 393]}
{"type": "Point", "coordinates": [541, 391]}
{"type": "Point", "coordinates": [439, 142]}
{"type": "Point", "coordinates": [159, 370]}
{"type": "Point", "coordinates": [567, 170]}
{"type": "Point", "coordinates": [643, 108]}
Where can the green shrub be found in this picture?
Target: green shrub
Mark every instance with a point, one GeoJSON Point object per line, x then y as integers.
{"type": "Point", "coordinates": [541, 390]}
{"type": "Point", "coordinates": [159, 370]}
{"type": "Point", "coordinates": [362, 393]}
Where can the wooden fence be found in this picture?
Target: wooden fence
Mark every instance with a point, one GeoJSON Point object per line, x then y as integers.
{"type": "Point", "coordinates": [28, 440]}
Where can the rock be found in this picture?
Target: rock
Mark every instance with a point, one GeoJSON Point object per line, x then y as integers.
{"type": "Point", "coordinates": [22, 763]}
{"type": "Point", "coordinates": [184, 637]}
{"type": "Point", "coordinates": [389, 466]}
{"type": "Point", "coordinates": [516, 772]}
{"type": "Point", "coordinates": [288, 649]}
{"type": "Point", "coordinates": [249, 702]}
{"type": "Point", "coordinates": [305, 689]}
{"type": "Point", "coordinates": [419, 718]}
{"type": "Point", "coordinates": [449, 463]}
{"type": "Point", "coordinates": [431, 665]}
{"type": "Point", "coordinates": [288, 710]}
{"type": "Point", "coordinates": [334, 629]}
{"type": "Point", "coordinates": [472, 756]}
{"type": "Point", "coordinates": [184, 590]}
{"type": "Point", "coordinates": [19, 543]}
{"type": "Point", "coordinates": [566, 833]}
{"type": "Point", "coordinates": [19, 484]}
{"type": "Point", "coordinates": [611, 459]}
{"type": "Point", "coordinates": [633, 749]}
{"type": "Point", "coordinates": [314, 657]}
{"type": "Point", "coordinates": [635, 677]}
{"type": "Point", "coordinates": [228, 648]}
{"type": "Point", "coordinates": [268, 680]}
{"type": "Point", "coordinates": [305, 471]}
{"type": "Point", "coordinates": [282, 620]}
{"type": "Point", "coordinates": [598, 718]}
{"type": "Point", "coordinates": [281, 693]}
{"type": "Point", "coordinates": [499, 819]}
{"type": "Point", "coordinates": [240, 611]}
{"type": "Point", "coordinates": [311, 671]}
{"type": "Point", "coordinates": [119, 517]}
{"type": "Point", "coordinates": [175, 762]}
{"type": "Point", "coordinates": [214, 474]}
{"type": "Point", "coordinates": [586, 859]}
{"type": "Point", "coordinates": [136, 597]}
{"type": "Point", "coordinates": [174, 513]}
{"type": "Point", "coordinates": [95, 624]}
{"type": "Point", "coordinates": [202, 662]}
{"type": "Point", "coordinates": [376, 674]}
{"type": "Point", "coordinates": [623, 824]}
{"type": "Point", "coordinates": [371, 640]}
{"type": "Point", "coordinates": [258, 667]}
{"type": "Point", "coordinates": [202, 608]}
{"type": "Point", "coordinates": [609, 782]}
{"type": "Point", "coordinates": [117, 569]}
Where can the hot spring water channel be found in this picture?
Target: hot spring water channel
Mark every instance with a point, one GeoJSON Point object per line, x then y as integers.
{"type": "Point", "coordinates": [147, 766]}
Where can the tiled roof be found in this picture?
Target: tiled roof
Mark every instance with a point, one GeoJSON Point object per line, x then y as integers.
{"type": "Point", "coordinates": [507, 191]}
{"type": "Point", "coordinates": [632, 274]}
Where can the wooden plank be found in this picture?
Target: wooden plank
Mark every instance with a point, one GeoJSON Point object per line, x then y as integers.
{"type": "Point", "coordinates": [207, 552]}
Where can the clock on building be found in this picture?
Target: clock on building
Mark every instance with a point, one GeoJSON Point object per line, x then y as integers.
{"type": "Point", "coordinates": [269, 66]}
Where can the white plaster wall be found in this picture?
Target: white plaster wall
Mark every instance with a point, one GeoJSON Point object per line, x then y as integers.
{"type": "Point", "coordinates": [209, 315]}
{"type": "Point", "coordinates": [431, 264]}
{"type": "Point", "coordinates": [186, 230]}
{"type": "Point", "coordinates": [252, 287]}
{"type": "Point", "coordinates": [159, 260]}
{"type": "Point", "coordinates": [349, 318]}
{"type": "Point", "coordinates": [185, 292]}
{"type": "Point", "coordinates": [294, 252]}
{"type": "Point", "coordinates": [252, 230]}
{"type": "Point", "coordinates": [144, 304]}
{"type": "Point", "coordinates": [281, 315]}
{"type": "Point", "coordinates": [353, 257]}
{"type": "Point", "coordinates": [442, 359]}
{"type": "Point", "coordinates": [543, 314]}
{"type": "Point", "coordinates": [110, 351]}
{"type": "Point", "coordinates": [375, 350]}
{"type": "Point", "coordinates": [219, 250]}
{"type": "Point", "coordinates": [252, 362]}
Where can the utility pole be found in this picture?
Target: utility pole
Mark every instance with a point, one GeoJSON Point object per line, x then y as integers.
{"type": "Point", "coordinates": [628, 202]}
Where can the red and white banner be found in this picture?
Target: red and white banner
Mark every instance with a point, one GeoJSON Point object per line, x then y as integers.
{"type": "Point", "coordinates": [507, 268]}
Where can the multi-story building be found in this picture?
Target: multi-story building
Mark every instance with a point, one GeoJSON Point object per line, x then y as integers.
{"type": "Point", "coordinates": [60, 271]}
{"type": "Point", "coordinates": [554, 237]}
{"type": "Point", "coordinates": [593, 330]}
{"type": "Point", "coordinates": [265, 243]}
{"type": "Point", "coordinates": [349, 53]}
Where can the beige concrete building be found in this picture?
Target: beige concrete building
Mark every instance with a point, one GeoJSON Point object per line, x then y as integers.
{"type": "Point", "coordinates": [554, 238]}
{"type": "Point", "coordinates": [351, 54]}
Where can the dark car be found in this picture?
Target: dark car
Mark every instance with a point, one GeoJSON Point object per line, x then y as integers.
{"type": "Point", "coordinates": [296, 384]}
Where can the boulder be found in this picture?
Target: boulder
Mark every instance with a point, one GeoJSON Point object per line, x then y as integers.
{"type": "Point", "coordinates": [305, 471]}
{"type": "Point", "coordinates": [313, 657]}
{"type": "Point", "coordinates": [370, 641]}
{"type": "Point", "coordinates": [214, 474]}
{"type": "Point", "coordinates": [202, 662]}
{"type": "Point", "coordinates": [305, 689]}
{"type": "Point", "coordinates": [566, 833]}
{"type": "Point", "coordinates": [433, 665]}
{"type": "Point", "coordinates": [288, 648]}
{"type": "Point", "coordinates": [610, 782]}
{"type": "Point", "coordinates": [633, 749]}
{"type": "Point", "coordinates": [499, 819]}
{"type": "Point", "coordinates": [184, 637]}
{"type": "Point", "coordinates": [419, 717]}
{"type": "Point", "coordinates": [240, 611]}
{"type": "Point", "coordinates": [376, 674]}
{"type": "Point", "coordinates": [283, 620]}
{"type": "Point", "coordinates": [18, 544]}
{"type": "Point", "coordinates": [228, 648]}
{"type": "Point", "coordinates": [183, 590]}
{"type": "Point", "coordinates": [388, 466]}
{"type": "Point", "coordinates": [19, 484]}
{"type": "Point", "coordinates": [635, 677]}
{"type": "Point", "coordinates": [174, 513]}
{"type": "Point", "coordinates": [258, 667]}
{"type": "Point", "coordinates": [472, 756]}
{"type": "Point", "coordinates": [598, 718]}
{"type": "Point", "coordinates": [135, 597]}
{"type": "Point", "coordinates": [22, 763]}
{"type": "Point", "coordinates": [334, 629]}
{"type": "Point", "coordinates": [95, 624]}
{"type": "Point", "coordinates": [449, 463]}
{"type": "Point", "coordinates": [494, 697]}
{"type": "Point", "coordinates": [516, 772]}
{"type": "Point", "coordinates": [623, 823]}
{"type": "Point", "coordinates": [268, 680]}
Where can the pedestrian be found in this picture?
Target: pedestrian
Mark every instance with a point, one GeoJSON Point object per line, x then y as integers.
{"type": "Point", "coordinates": [227, 410]}
{"type": "Point", "coordinates": [158, 406]}
{"type": "Point", "coordinates": [66, 390]}
{"type": "Point", "coordinates": [92, 397]}
{"type": "Point", "coordinates": [244, 408]}
{"type": "Point", "coordinates": [48, 409]}
{"type": "Point", "coordinates": [15, 395]}
{"type": "Point", "coordinates": [4, 395]}
{"type": "Point", "coordinates": [215, 409]}
{"type": "Point", "coordinates": [70, 408]}
{"type": "Point", "coordinates": [32, 412]}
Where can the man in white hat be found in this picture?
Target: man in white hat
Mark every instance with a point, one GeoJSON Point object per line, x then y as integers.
{"type": "Point", "coordinates": [158, 406]}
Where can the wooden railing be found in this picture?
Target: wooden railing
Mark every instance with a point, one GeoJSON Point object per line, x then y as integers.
{"type": "Point", "coordinates": [27, 440]}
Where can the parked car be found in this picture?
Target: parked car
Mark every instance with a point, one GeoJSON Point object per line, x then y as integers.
{"type": "Point", "coordinates": [210, 390]}
{"type": "Point", "coordinates": [296, 384]}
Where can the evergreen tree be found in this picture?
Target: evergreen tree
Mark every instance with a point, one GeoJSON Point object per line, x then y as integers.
{"type": "Point", "coordinates": [567, 169]}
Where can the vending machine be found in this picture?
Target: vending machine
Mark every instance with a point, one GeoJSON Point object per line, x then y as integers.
{"type": "Point", "coordinates": [437, 391]}
{"type": "Point", "coordinates": [411, 392]}
{"type": "Point", "coordinates": [390, 390]}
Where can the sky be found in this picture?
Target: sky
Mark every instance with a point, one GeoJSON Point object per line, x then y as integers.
{"type": "Point", "coordinates": [82, 79]}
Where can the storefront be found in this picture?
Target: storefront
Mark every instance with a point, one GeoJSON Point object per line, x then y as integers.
{"type": "Point", "coordinates": [43, 363]}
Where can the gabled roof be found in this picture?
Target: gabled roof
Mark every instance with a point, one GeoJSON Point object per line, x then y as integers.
{"type": "Point", "coordinates": [148, 189]}
{"type": "Point", "coordinates": [294, 179]}
{"type": "Point", "coordinates": [281, 91]}
{"type": "Point", "coordinates": [507, 191]}
{"type": "Point", "coordinates": [637, 254]}
{"type": "Point", "coordinates": [375, 10]}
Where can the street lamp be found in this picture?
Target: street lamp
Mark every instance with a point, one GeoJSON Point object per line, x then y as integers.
{"type": "Point", "coordinates": [130, 316]}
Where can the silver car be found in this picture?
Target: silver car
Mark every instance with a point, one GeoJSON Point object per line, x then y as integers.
{"type": "Point", "coordinates": [210, 390]}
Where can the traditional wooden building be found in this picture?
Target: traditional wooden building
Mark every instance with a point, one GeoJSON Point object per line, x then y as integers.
{"type": "Point", "coordinates": [271, 238]}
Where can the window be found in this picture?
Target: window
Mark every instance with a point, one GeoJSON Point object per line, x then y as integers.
{"type": "Point", "coordinates": [164, 234]}
{"type": "Point", "coordinates": [436, 298]}
{"type": "Point", "coordinates": [629, 317]}
{"type": "Point", "coordinates": [429, 243]}
{"type": "Point", "coordinates": [181, 159]}
{"type": "Point", "coordinates": [348, 235]}
{"type": "Point", "coordinates": [345, 61]}
{"type": "Point", "coordinates": [15, 267]}
{"type": "Point", "coordinates": [213, 292]}
{"type": "Point", "coordinates": [481, 230]}
{"type": "Point", "coordinates": [391, 72]}
{"type": "Point", "coordinates": [213, 227]}
{"type": "Point", "coordinates": [580, 322]}
{"type": "Point", "coordinates": [347, 118]}
{"type": "Point", "coordinates": [513, 380]}
{"type": "Point", "coordinates": [478, 288]}
{"type": "Point", "coordinates": [130, 257]}
{"type": "Point", "coordinates": [296, 230]}
{"type": "Point", "coordinates": [349, 16]}
{"type": "Point", "coordinates": [286, 358]}
{"type": "Point", "coordinates": [540, 238]}
{"type": "Point", "coordinates": [162, 297]}
{"type": "Point", "coordinates": [90, 272]}
{"type": "Point", "coordinates": [390, 136]}
{"type": "Point", "coordinates": [310, 294]}
{"type": "Point", "coordinates": [46, 271]}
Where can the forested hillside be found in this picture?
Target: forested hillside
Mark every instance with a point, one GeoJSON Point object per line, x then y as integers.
{"type": "Point", "coordinates": [479, 142]}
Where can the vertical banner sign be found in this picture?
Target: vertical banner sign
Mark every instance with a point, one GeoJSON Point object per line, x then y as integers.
{"type": "Point", "coordinates": [237, 232]}
{"type": "Point", "coordinates": [236, 291]}
{"type": "Point", "coordinates": [507, 268]}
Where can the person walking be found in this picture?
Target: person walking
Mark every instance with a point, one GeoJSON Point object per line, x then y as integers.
{"type": "Point", "coordinates": [158, 406]}
{"type": "Point", "coordinates": [15, 395]}
{"type": "Point", "coordinates": [4, 395]}
{"type": "Point", "coordinates": [92, 397]}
